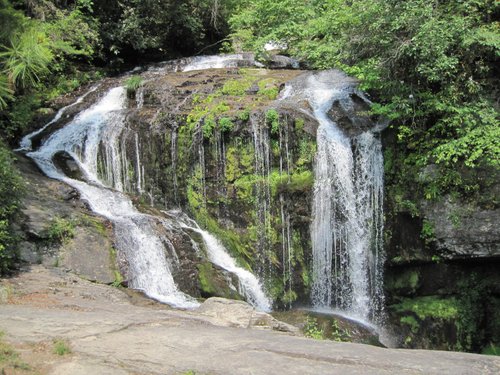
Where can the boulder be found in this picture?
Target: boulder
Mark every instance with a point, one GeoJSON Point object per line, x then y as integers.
{"type": "Point", "coordinates": [230, 313]}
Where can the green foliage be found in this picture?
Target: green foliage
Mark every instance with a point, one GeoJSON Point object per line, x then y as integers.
{"type": "Point", "coordinates": [312, 330]}
{"type": "Point", "coordinates": [6, 92]}
{"type": "Point", "coordinates": [9, 358]}
{"type": "Point", "coordinates": [11, 191]}
{"type": "Point", "coordinates": [28, 58]}
{"type": "Point", "coordinates": [226, 124]}
{"type": "Point", "coordinates": [431, 66]}
{"type": "Point", "coordinates": [132, 84]}
{"type": "Point", "coordinates": [61, 347]}
{"type": "Point", "coordinates": [236, 87]}
{"type": "Point", "coordinates": [491, 349]}
{"type": "Point", "coordinates": [339, 334]}
{"type": "Point", "coordinates": [429, 307]}
{"type": "Point", "coordinates": [272, 119]}
{"type": "Point", "coordinates": [427, 233]}
{"type": "Point", "coordinates": [411, 322]}
{"type": "Point", "coordinates": [60, 230]}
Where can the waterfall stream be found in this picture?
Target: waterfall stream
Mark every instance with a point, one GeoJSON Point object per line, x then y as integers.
{"type": "Point", "coordinates": [347, 211]}
{"type": "Point", "coordinates": [94, 139]}
{"type": "Point", "coordinates": [250, 287]}
{"type": "Point", "coordinates": [347, 205]}
{"type": "Point", "coordinates": [347, 218]}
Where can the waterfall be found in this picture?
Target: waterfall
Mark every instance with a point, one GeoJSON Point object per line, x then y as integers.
{"type": "Point", "coordinates": [97, 140]}
{"type": "Point", "coordinates": [347, 209]}
{"type": "Point", "coordinates": [346, 231]}
{"type": "Point", "coordinates": [150, 270]}
{"type": "Point", "coordinates": [249, 285]}
{"type": "Point", "coordinates": [25, 144]}
{"type": "Point", "coordinates": [262, 194]}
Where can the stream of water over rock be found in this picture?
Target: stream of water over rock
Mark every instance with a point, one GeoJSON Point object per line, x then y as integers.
{"type": "Point", "coordinates": [96, 130]}
{"type": "Point", "coordinates": [347, 209]}
{"type": "Point", "coordinates": [347, 218]}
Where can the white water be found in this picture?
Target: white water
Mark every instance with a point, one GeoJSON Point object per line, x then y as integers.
{"type": "Point", "coordinates": [218, 62]}
{"type": "Point", "coordinates": [25, 144]}
{"type": "Point", "coordinates": [149, 269]}
{"type": "Point", "coordinates": [249, 285]}
{"type": "Point", "coordinates": [347, 207]}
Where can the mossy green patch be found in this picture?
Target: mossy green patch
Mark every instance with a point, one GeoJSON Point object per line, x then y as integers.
{"type": "Point", "coordinates": [429, 307]}
{"type": "Point", "coordinates": [411, 322]}
{"type": "Point", "coordinates": [405, 282]}
{"type": "Point", "coordinates": [212, 283]}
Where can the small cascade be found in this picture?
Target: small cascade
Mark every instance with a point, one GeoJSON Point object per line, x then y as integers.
{"type": "Point", "coordinates": [139, 97]}
{"type": "Point", "coordinates": [149, 268]}
{"type": "Point", "coordinates": [249, 285]}
{"type": "Point", "coordinates": [262, 194]}
{"type": "Point", "coordinates": [219, 61]}
{"type": "Point", "coordinates": [286, 236]}
{"type": "Point", "coordinates": [138, 166]}
{"type": "Point", "coordinates": [25, 144]}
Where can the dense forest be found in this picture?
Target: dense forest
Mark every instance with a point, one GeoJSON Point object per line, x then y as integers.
{"type": "Point", "coordinates": [429, 67]}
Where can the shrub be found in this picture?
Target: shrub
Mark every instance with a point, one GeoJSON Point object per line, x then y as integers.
{"type": "Point", "coordinates": [11, 190]}
{"type": "Point", "coordinates": [132, 84]}
{"type": "Point", "coordinates": [61, 347]}
{"type": "Point", "coordinates": [61, 230]}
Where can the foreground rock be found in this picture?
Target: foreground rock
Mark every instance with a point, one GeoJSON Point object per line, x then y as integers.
{"type": "Point", "coordinates": [111, 332]}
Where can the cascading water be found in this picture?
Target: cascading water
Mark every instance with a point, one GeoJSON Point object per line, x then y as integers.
{"type": "Point", "coordinates": [149, 268]}
{"type": "Point", "coordinates": [250, 286]}
{"type": "Point", "coordinates": [347, 205]}
{"type": "Point", "coordinates": [262, 194]}
{"type": "Point", "coordinates": [347, 210]}
{"type": "Point", "coordinates": [25, 144]}
{"type": "Point", "coordinates": [97, 141]}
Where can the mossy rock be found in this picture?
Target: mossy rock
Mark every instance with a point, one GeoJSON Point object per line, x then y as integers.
{"type": "Point", "coordinates": [215, 282]}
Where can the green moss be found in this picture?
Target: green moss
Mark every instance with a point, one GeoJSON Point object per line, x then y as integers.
{"type": "Point", "coordinates": [226, 124]}
{"type": "Point", "coordinates": [95, 223]}
{"type": "Point", "coordinates": [491, 349]}
{"type": "Point", "coordinates": [427, 233]}
{"type": "Point", "coordinates": [411, 322]}
{"type": "Point", "coordinates": [429, 307]}
{"type": "Point", "coordinates": [210, 283]}
{"type": "Point", "coordinates": [272, 120]}
{"type": "Point", "coordinates": [307, 151]}
{"type": "Point", "coordinates": [236, 87]}
{"type": "Point", "coordinates": [299, 124]}
{"type": "Point", "coordinates": [61, 230]}
{"type": "Point", "coordinates": [289, 296]}
{"type": "Point", "coordinates": [291, 183]}
{"type": "Point", "coordinates": [406, 281]}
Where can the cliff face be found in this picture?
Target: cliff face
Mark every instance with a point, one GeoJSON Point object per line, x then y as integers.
{"type": "Point", "coordinates": [218, 144]}
{"type": "Point", "coordinates": [442, 279]}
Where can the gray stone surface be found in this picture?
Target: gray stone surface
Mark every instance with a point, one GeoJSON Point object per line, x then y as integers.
{"type": "Point", "coordinates": [463, 231]}
{"type": "Point", "coordinates": [109, 334]}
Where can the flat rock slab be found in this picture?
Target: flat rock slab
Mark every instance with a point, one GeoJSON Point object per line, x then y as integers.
{"type": "Point", "coordinates": [110, 333]}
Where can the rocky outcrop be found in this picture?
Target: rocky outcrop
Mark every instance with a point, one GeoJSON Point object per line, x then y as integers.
{"type": "Point", "coordinates": [59, 230]}
{"type": "Point", "coordinates": [230, 313]}
{"type": "Point", "coordinates": [463, 230]}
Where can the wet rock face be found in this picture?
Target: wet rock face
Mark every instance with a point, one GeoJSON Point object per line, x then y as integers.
{"type": "Point", "coordinates": [59, 230]}
{"type": "Point", "coordinates": [463, 231]}
{"type": "Point", "coordinates": [352, 116]}
{"type": "Point", "coordinates": [68, 165]}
